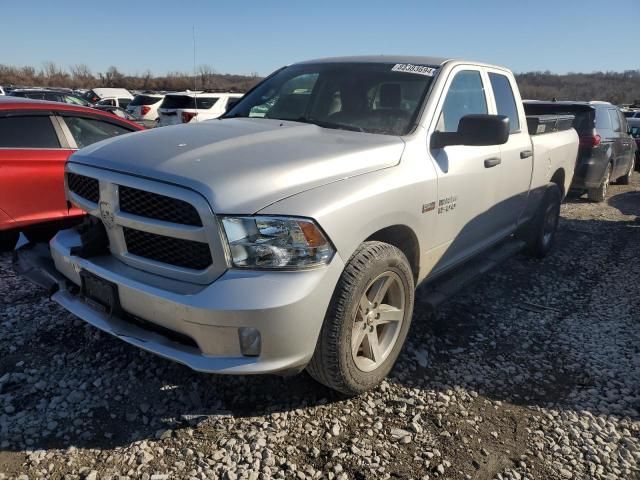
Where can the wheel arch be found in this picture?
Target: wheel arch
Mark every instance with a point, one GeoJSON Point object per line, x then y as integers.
{"type": "Point", "coordinates": [559, 178]}
{"type": "Point", "coordinates": [403, 238]}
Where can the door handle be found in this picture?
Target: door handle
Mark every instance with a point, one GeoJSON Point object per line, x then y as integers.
{"type": "Point", "coordinates": [526, 154]}
{"type": "Point", "coordinates": [492, 162]}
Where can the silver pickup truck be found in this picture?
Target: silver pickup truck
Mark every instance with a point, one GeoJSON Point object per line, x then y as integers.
{"type": "Point", "coordinates": [293, 231]}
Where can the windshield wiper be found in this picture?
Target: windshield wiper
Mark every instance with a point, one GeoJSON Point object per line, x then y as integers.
{"type": "Point", "coordinates": [323, 124]}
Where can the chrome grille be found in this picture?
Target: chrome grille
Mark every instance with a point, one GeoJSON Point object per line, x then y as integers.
{"type": "Point", "coordinates": [174, 251]}
{"type": "Point", "coordinates": [158, 207]}
{"type": "Point", "coordinates": [85, 187]}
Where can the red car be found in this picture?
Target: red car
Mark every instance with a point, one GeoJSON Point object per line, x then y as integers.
{"type": "Point", "coordinates": [36, 139]}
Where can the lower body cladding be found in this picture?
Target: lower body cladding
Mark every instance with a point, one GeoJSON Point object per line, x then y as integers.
{"type": "Point", "coordinates": [246, 322]}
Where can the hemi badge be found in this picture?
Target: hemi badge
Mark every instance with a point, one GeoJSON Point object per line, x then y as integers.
{"type": "Point", "coordinates": [427, 207]}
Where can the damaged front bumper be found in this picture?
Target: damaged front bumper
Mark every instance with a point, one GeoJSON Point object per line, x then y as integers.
{"type": "Point", "coordinates": [210, 328]}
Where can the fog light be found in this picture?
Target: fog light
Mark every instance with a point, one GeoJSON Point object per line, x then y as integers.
{"type": "Point", "coordinates": [250, 341]}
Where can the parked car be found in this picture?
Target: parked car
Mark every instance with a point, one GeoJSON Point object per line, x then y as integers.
{"type": "Point", "coordinates": [122, 113]}
{"type": "Point", "coordinates": [116, 97]}
{"type": "Point", "coordinates": [36, 139]}
{"type": "Point", "coordinates": [145, 106]}
{"type": "Point", "coordinates": [631, 114]}
{"type": "Point", "coordinates": [185, 107]}
{"type": "Point", "coordinates": [607, 151]}
{"type": "Point", "coordinates": [50, 95]}
{"type": "Point", "coordinates": [2, 91]}
{"type": "Point", "coordinates": [365, 177]}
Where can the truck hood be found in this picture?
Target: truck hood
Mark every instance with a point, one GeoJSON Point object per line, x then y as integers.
{"type": "Point", "coordinates": [241, 165]}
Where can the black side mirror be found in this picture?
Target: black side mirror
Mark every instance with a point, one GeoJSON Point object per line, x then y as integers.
{"type": "Point", "coordinates": [475, 130]}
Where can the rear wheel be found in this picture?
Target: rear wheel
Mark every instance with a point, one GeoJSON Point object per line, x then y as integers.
{"type": "Point", "coordinates": [600, 193]}
{"type": "Point", "coordinates": [367, 321]}
{"type": "Point", "coordinates": [626, 179]}
{"type": "Point", "coordinates": [8, 240]}
{"type": "Point", "coordinates": [541, 232]}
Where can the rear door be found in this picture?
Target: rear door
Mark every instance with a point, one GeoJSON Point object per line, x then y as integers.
{"type": "Point", "coordinates": [32, 157]}
{"type": "Point", "coordinates": [621, 145]}
{"type": "Point", "coordinates": [628, 144]}
{"type": "Point", "coordinates": [516, 155]}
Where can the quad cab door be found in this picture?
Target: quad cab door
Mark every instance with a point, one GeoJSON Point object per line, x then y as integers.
{"type": "Point", "coordinates": [470, 178]}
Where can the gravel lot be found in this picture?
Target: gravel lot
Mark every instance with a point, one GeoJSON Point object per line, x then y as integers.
{"type": "Point", "coordinates": [534, 373]}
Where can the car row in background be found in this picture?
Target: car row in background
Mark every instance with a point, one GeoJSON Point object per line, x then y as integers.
{"type": "Point", "coordinates": [150, 109]}
{"type": "Point", "coordinates": [36, 138]}
{"type": "Point", "coordinates": [607, 149]}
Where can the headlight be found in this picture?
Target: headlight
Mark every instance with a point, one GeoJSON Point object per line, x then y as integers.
{"type": "Point", "coordinates": [276, 242]}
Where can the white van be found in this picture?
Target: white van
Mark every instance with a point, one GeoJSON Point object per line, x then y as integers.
{"type": "Point", "coordinates": [189, 106]}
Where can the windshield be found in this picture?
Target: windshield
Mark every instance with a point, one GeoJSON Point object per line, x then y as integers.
{"type": "Point", "coordinates": [186, 101]}
{"type": "Point", "coordinates": [368, 97]}
{"type": "Point", "coordinates": [144, 100]}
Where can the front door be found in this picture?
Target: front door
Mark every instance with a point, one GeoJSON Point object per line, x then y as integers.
{"type": "Point", "coordinates": [469, 177]}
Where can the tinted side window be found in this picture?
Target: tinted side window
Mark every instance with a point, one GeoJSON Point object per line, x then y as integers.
{"type": "Point", "coordinates": [86, 131]}
{"type": "Point", "coordinates": [615, 120]}
{"type": "Point", "coordinates": [505, 101]}
{"type": "Point", "coordinates": [124, 102]}
{"type": "Point", "coordinates": [28, 132]}
{"type": "Point", "coordinates": [52, 97]}
{"type": "Point", "coordinates": [465, 96]}
{"type": "Point", "coordinates": [603, 121]}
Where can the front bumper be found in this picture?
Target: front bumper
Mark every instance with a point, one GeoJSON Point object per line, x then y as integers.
{"type": "Point", "coordinates": [287, 308]}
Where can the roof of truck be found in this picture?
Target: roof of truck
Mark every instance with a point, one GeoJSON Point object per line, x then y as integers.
{"type": "Point", "coordinates": [412, 59]}
{"type": "Point", "coordinates": [382, 58]}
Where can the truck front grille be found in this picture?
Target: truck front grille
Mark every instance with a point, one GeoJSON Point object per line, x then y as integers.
{"type": "Point", "coordinates": [85, 187]}
{"type": "Point", "coordinates": [158, 207]}
{"type": "Point", "coordinates": [173, 251]}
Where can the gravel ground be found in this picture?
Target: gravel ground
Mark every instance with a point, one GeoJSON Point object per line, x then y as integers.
{"type": "Point", "coordinates": [534, 373]}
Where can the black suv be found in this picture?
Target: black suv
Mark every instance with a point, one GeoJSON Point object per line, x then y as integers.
{"type": "Point", "coordinates": [50, 95]}
{"type": "Point", "coordinates": [607, 150]}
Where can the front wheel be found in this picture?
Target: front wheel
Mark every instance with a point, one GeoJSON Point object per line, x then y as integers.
{"type": "Point", "coordinates": [367, 321]}
{"type": "Point", "coordinates": [541, 232]}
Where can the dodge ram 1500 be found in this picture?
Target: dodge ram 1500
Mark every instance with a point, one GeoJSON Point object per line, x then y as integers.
{"type": "Point", "coordinates": [292, 232]}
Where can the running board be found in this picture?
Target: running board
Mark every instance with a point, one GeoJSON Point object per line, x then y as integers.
{"type": "Point", "coordinates": [433, 294]}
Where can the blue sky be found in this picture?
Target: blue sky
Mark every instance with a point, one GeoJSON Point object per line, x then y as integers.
{"type": "Point", "coordinates": [259, 36]}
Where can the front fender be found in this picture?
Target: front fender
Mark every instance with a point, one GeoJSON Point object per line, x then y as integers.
{"type": "Point", "coordinates": [353, 209]}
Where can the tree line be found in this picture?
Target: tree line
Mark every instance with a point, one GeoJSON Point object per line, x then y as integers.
{"type": "Point", "coordinates": [81, 76]}
{"type": "Point", "coordinates": [615, 87]}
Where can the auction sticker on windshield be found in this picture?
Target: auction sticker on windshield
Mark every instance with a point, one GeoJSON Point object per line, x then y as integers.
{"type": "Point", "coordinates": [418, 69]}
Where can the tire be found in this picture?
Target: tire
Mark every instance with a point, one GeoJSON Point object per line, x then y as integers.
{"type": "Point", "coordinates": [600, 193]}
{"type": "Point", "coordinates": [8, 240]}
{"type": "Point", "coordinates": [541, 232]}
{"type": "Point", "coordinates": [626, 179]}
{"type": "Point", "coordinates": [374, 267]}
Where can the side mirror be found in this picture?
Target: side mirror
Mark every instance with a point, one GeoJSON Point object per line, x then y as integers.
{"type": "Point", "coordinates": [475, 130]}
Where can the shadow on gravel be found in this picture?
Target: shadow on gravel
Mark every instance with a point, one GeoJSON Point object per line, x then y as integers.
{"type": "Point", "coordinates": [627, 203]}
{"type": "Point", "coordinates": [524, 334]}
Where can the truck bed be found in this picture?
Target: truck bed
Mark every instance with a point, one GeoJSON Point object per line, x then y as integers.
{"type": "Point", "coordinates": [541, 124]}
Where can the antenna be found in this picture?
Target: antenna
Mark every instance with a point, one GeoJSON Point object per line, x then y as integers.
{"type": "Point", "coordinates": [195, 78]}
